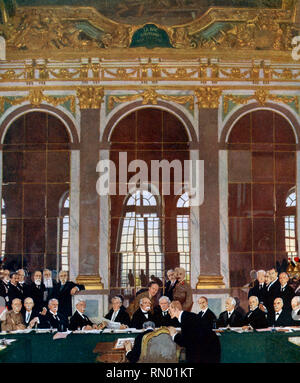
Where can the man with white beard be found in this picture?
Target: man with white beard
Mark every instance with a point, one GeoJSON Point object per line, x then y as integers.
{"type": "Point", "coordinates": [36, 291]}
{"type": "Point", "coordinates": [50, 284]}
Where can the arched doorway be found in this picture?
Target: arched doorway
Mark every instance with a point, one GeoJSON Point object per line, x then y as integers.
{"type": "Point", "coordinates": [261, 176]}
{"type": "Point", "coordinates": [150, 236]}
{"type": "Point", "coordinates": [36, 173]}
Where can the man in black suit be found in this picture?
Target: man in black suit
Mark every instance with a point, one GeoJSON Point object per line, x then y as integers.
{"type": "Point", "coordinates": [255, 317]}
{"type": "Point", "coordinates": [24, 286]}
{"type": "Point", "coordinates": [50, 284]}
{"type": "Point", "coordinates": [53, 319]}
{"type": "Point", "coordinates": [142, 314]}
{"type": "Point", "coordinates": [117, 313]}
{"type": "Point", "coordinates": [272, 290]}
{"type": "Point", "coordinates": [230, 317]}
{"type": "Point", "coordinates": [133, 353]}
{"type": "Point", "coordinates": [4, 284]}
{"type": "Point", "coordinates": [206, 317]}
{"type": "Point", "coordinates": [161, 314]}
{"type": "Point", "coordinates": [279, 317]}
{"type": "Point", "coordinates": [286, 292]}
{"type": "Point", "coordinates": [201, 344]}
{"type": "Point", "coordinates": [79, 321]}
{"type": "Point", "coordinates": [14, 290]}
{"type": "Point", "coordinates": [36, 291]}
{"type": "Point", "coordinates": [170, 284]}
{"type": "Point", "coordinates": [296, 310]}
{"type": "Point", "coordinates": [30, 314]}
{"type": "Point", "coordinates": [259, 288]}
{"type": "Point", "coordinates": [63, 291]}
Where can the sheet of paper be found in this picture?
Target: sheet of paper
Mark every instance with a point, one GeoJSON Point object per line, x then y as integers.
{"type": "Point", "coordinates": [120, 342]}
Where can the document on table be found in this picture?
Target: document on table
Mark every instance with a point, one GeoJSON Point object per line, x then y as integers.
{"type": "Point", "coordinates": [61, 335]}
{"type": "Point", "coordinates": [110, 324]}
{"type": "Point", "coordinates": [120, 343]}
{"type": "Point", "coordinates": [26, 331]}
{"type": "Point", "coordinates": [126, 330]}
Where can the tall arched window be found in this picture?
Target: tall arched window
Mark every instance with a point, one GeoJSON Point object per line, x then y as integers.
{"type": "Point", "coordinates": [139, 243]}
{"type": "Point", "coordinates": [290, 225]}
{"type": "Point", "coordinates": [63, 234]}
{"type": "Point", "coordinates": [3, 230]}
{"type": "Point", "coordinates": [183, 233]}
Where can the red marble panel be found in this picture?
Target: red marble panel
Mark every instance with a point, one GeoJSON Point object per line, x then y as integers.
{"type": "Point", "coordinates": [241, 132]}
{"type": "Point", "coordinates": [58, 166]}
{"type": "Point", "coordinates": [34, 167]}
{"type": "Point", "coordinates": [149, 125]}
{"type": "Point", "coordinates": [285, 167]}
{"type": "Point", "coordinates": [262, 166]}
{"type": "Point", "coordinates": [263, 200]}
{"type": "Point", "coordinates": [125, 130]}
{"type": "Point", "coordinates": [280, 234]}
{"type": "Point", "coordinates": [239, 166]}
{"type": "Point", "coordinates": [283, 131]}
{"type": "Point", "coordinates": [57, 132]}
{"type": "Point", "coordinates": [54, 194]}
{"type": "Point", "coordinates": [282, 192]}
{"type": "Point", "coordinates": [239, 200]}
{"type": "Point", "coordinates": [173, 129]}
{"type": "Point", "coordinates": [36, 127]}
{"type": "Point", "coordinates": [240, 234]}
{"type": "Point", "coordinates": [52, 230]}
{"type": "Point", "coordinates": [263, 234]}
{"type": "Point", "coordinates": [13, 243]}
{"type": "Point", "coordinates": [12, 166]}
{"type": "Point", "coordinates": [34, 200]}
{"type": "Point", "coordinates": [12, 195]}
{"type": "Point", "coordinates": [262, 126]}
{"type": "Point", "coordinates": [264, 260]}
{"type": "Point", "coordinates": [16, 132]}
{"type": "Point", "coordinates": [34, 235]}
{"type": "Point", "coordinates": [240, 266]}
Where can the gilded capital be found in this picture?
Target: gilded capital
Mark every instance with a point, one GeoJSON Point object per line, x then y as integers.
{"type": "Point", "coordinates": [90, 97]}
{"type": "Point", "coordinates": [208, 97]}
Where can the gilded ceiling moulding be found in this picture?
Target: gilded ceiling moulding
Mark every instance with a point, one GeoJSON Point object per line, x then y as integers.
{"type": "Point", "coordinates": [75, 31]}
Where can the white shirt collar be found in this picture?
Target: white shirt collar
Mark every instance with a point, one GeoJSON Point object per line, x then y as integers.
{"type": "Point", "coordinates": [204, 311]}
{"type": "Point", "coordinates": [80, 313]}
{"type": "Point", "coordinates": [52, 312]}
{"type": "Point", "coordinates": [179, 318]}
{"type": "Point", "coordinates": [279, 312]}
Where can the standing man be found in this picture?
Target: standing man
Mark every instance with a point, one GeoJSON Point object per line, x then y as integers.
{"type": "Point", "coordinates": [201, 344]}
{"type": "Point", "coordinates": [286, 292]}
{"type": "Point", "coordinates": [50, 284]}
{"type": "Point", "coordinates": [182, 291]}
{"type": "Point", "coordinates": [259, 288]}
{"type": "Point", "coordinates": [36, 291]}
{"type": "Point", "coordinates": [150, 293]}
{"type": "Point", "coordinates": [14, 289]}
{"type": "Point", "coordinates": [63, 291]}
{"type": "Point", "coordinates": [272, 290]}
{"type": "Point", "coordinates": [230, 317]}
{"type": "Point", "coordinates": [205, 315]}
{"type": "Point", "coordinates": [170, 284]}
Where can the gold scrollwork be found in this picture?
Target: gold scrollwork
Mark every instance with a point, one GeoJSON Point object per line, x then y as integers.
{"type": "Point", "coordinates": [150, 96]}
{"type": "Point", "coordinates": [90, 97]}
{"type": "Point", "coordinates": [261, 96]}
{"type": "Point", "coordinates": [36, 97]}
{"type": "Point", "coordinates": [208, 97]}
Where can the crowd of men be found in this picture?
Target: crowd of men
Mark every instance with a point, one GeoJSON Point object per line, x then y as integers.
{"type": "Point", "coordinates": [45, 303]}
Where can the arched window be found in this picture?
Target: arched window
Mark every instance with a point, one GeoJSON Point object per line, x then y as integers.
{"type": "Point", "coordinates": [183, 233]}
{"type": "Point", "coordinates": [3, 230]}
{"type": "Point", "coordinates": [139, 244]}
{"type": "Point", "coordinates": [290, 225]}
{"type": "Point", "coordinates": [63, 233]}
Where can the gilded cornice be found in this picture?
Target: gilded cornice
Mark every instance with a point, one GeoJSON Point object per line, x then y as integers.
{"type": "Point", "coordinates": [45, 32]}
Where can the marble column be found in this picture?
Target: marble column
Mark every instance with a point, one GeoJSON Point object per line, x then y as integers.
{"type": "Point", "coordinates": [89, 200]}
{"type": "Point", "coordinates": [210, 263]}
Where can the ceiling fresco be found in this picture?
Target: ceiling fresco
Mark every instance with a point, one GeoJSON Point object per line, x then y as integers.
{"type": "Point", "coordinates": [163, 12]}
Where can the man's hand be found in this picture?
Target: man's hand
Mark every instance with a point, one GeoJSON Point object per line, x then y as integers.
{"type": "Point", "coordinates": [127, 345]}
{"type": "Point", "coordinates": [95, 327]}
{"type": "Point", "coordinates": [44, 311]}
{"type": "Point", "coordinates": [102, 325]}
{"type": "Point", "coordinates": [172, 330]}
{"type": "Point", "coordinates": [74, 290]}
{"type": "Point", "coordinates": [33, 322]}
{"type": "Point", "coordinates": [123, 326]}
{"type": "Point", "coordinates": [87, 327]}
{"type": "Point", "coordinates": [262, 307]}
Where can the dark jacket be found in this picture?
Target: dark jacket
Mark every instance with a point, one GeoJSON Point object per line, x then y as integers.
{"type": "Point", "coordinates": [164, 320]}
{"type": "Point", "coordinates": [207, 320]}
{"type": "Point", "coordinates": [284, 319]}
{"type": "Point", "coordinates": [14, 292]}
{"type": "Point", "coordinates": [272, 292]}
{"type": "Point", "coordinates": [169, 289]}
{"type": "Point", "coordinates": [138, 319]}
{"type": "Point", "coordinates": [236, 319]}
{"type": "Point", "coordinates": [37, 294]}
{"type": "Point", "coordinates": [256, 319]}
{"type": "Point", "coordinates": [134, 355]}
{"type": "Point", "coordinates": [34, 314]}
{"type": "Point", "coordinates": [287, 295]}
{"type": "Point", "coordinates": [62, 293]}
{"type": "Point", "coordinates": [259, 292]}
{"type": "Point", "coordinates": [122, 317]}
{"type": "Point", "coordinates": [48, 321]}
{"type": "Point", "coordinates": [201, 344]}
{"type": "Point", "coordinates": [78, 322]}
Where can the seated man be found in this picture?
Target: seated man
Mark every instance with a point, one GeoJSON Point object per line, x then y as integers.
{"type": "Point", "coordinates": [79, 321]}
{"type": "Point", "coordinates": [295, 303]}
{"type": "Point", "coordinates": [280, 317]}
{"type": "Point", "coordinates": [30, 314]}
{"type": "Point", "coordinates": [182, 291]}
{"type": "Point", "coordinates": [161, 314]}
{"type": "Point", "coordinates": [206, 317]}
{"type": "Point", "coordinates": [142, 314]}
{"type": "Point", "coordinates": [255, 318]}
{"type": "Point", "coordinates": [230, 317]}
{"type": "Point", "coordinates": [150, 293]}
{"type": "Point", "coordinates": [14, 319]}
{"type": "Point", "coordinates": [133, 353]}
{"type": "Point", "coordinates": [53, 318]}
{"type": "Point", "coordinates": [117, 313]}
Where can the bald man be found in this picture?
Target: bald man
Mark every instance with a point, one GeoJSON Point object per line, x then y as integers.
{"type": "Point", "coordinates": [14, 319]}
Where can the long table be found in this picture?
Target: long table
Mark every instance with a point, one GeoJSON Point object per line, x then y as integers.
{"type": "Point", "coordinates": [78, 348]}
